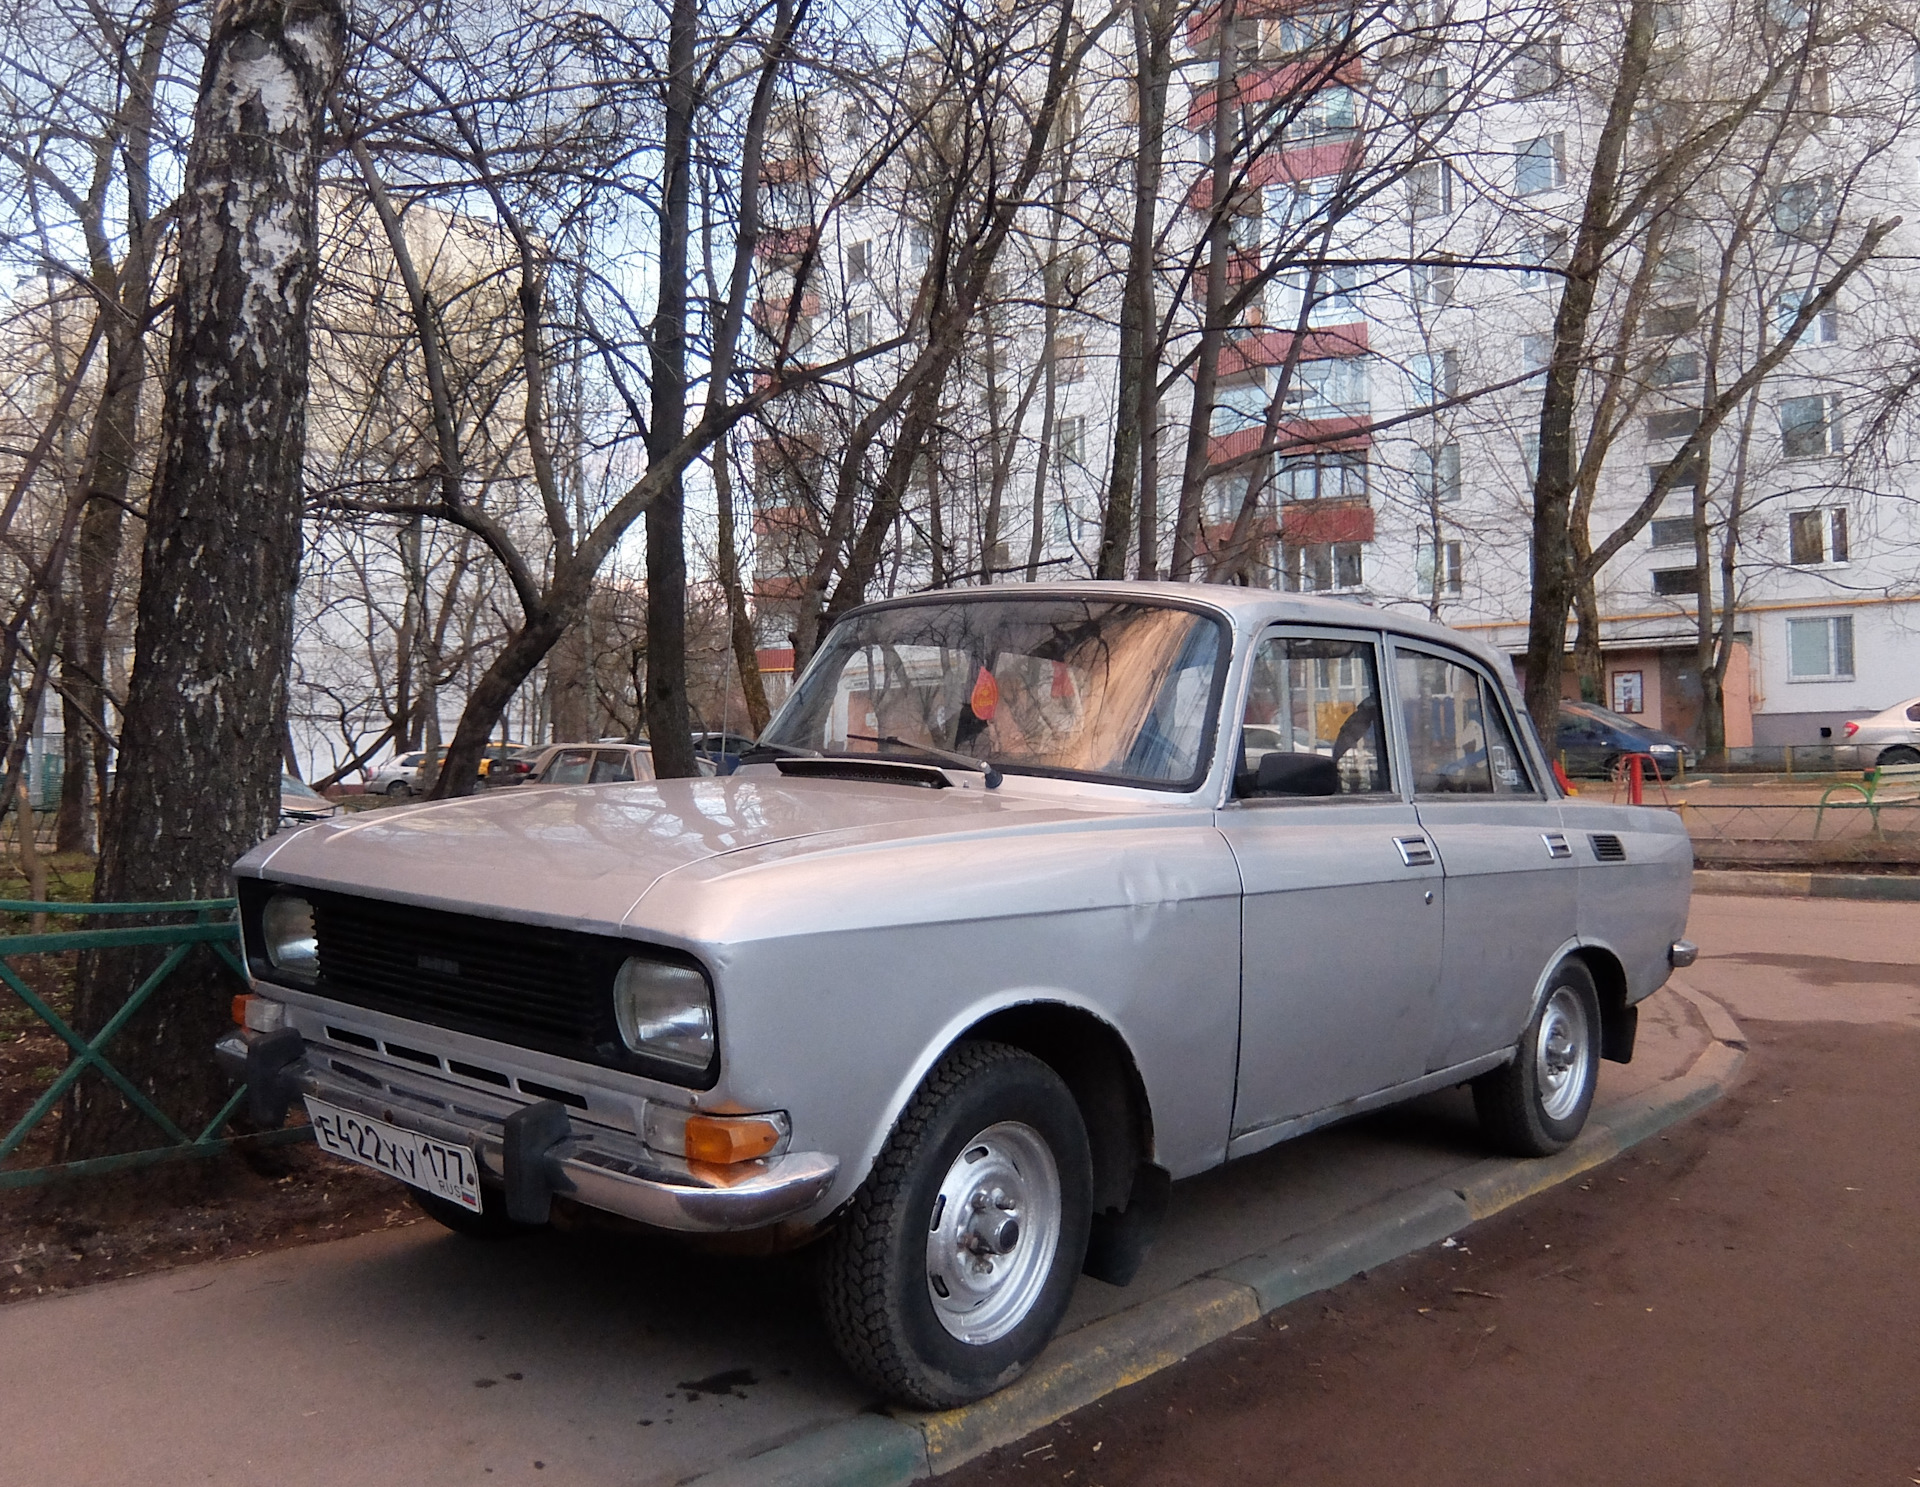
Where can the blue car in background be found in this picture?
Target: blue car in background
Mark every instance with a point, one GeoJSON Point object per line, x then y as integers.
{"type": "Point", "coordinates": [1590, 739]}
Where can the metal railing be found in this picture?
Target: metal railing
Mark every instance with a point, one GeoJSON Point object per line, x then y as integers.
{"type": "Point", "coordinates": [214, 924]}
{"type": "Point", "coordinates": [1798, 822]}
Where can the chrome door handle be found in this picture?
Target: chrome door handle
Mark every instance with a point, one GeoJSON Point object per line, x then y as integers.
{"type": "Point", "coordinates": [1415, 851]}
{"type": "Point", "coordinates": [1556, 844]}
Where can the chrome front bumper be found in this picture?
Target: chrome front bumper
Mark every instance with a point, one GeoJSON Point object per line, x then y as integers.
{"type": "Point", "coordinates": [602, 1168]}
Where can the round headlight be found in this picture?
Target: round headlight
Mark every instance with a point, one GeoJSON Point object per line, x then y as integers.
{"type": "Point", "coordinates": [286, 925]}
{"type": "Point", "coordinates": [665, 1011]}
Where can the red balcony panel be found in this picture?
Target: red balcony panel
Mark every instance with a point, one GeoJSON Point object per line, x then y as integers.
{"type": "Point", "coordinates": [776, 590]}
{"type": "Point", "coordinates": [790, 168]}
{"type": "Point", "coordinates": [1263, 84]}
{"type": "Point", "coordinates": [1303, 522]}
{"type": "Point", "coordinates": [1308, 163]}
{"type": "Point", "coordinates": [772, 658]}
{"type": "Point", "coordinates": [785, 242]}
{"type": "Point", "coordinates": [1272, 348]}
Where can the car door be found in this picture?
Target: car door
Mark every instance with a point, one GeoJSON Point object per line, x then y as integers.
{"type": "Point", "coordinates": [1508, 865]}
{"type": "Point", "coordinates": [1340, 932]}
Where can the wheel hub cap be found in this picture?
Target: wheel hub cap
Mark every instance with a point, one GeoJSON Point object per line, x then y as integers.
{"type": "Point", "coordinates": [1563, 1054]}
{"type": "Point", "coordinates": [993, 1232]}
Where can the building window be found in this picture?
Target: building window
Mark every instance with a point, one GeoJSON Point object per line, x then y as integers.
{"type": "Point", "coordinates": [1435, 376]}
{"type": "Point", "coordinates": [1676, 583]}
{"type": "Point", "coordinates": [1436, 474]}
{"type": "Point", "coordinates": [1450, 569]}
{"type": "Point", "coordinates": [1540, 164]}
{"type": "Point", "coordinates": [919, 245]}
{"type": "Point", "coordinates": [1070, 358]}
{"type": "Point", "coordinates": [1073, 440]}
{"type": "Point", "coordinates": [1824, 328]}
{"type": "Point", "coordinates": [1547, 250]}
{"type": "Point", "coordinates": [1535, 353]}
{"type": "Point", "coordinates": [1326, 114]}
{"type": "Point", "coordinates": [1332, 388]}
{"type": "Point", "coordinates": [1810, 426]}
{"type": "Point", "coordinates": [1820, 650]}
{"type": "Point", "coordinates": [1430, 190]}
{"type": "Point", "coordinates": [859, 330]}
{"type": "Point", "coordinates": [853, 121]}
{"type": "Point", "coordinates": [1321, 477]}
{"type": "Point", "coordinates": [1239, 406]}
{"type": "Point", "coordinates": [1675, 370]}
{"type": "Point", "coordinates": [1676, 275]}
{"type": "Point", "coordinates": [1804, 209]}
{"type": "Point", "coordinates": [858, 261]}
{"type": "Point", "coordinates": [1433, 283]}
{"type": "Point", "coordinates": [1316, 567]}
{"type": "Point", "coordinates": [1678, 424]}
{"type": "Point", "coordinates": [1336, 296]}
{"type": "Point", "coordinates": [1664, 322]}
{"type": "Point", "coordinates": [1673, 531]}
{"type": "Point", "coordinates": [1818, 536]}
{"type": "Point", "coordinates": [1537, 67]}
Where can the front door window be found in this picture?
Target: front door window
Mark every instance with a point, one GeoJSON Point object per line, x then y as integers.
{"type": "Point", "coordinates": [1313, 721]}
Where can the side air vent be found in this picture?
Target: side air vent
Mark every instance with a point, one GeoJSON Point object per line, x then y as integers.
{"type": "Point", "coordinates": [1607, 847]}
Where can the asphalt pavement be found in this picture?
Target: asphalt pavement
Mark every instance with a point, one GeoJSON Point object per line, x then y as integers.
{"type": "Point", "coordinates": [1736, 1300]}
{"type": "Point", "coordinates": [415, 1356]}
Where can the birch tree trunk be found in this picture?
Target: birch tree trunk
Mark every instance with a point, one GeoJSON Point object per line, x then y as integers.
{"type": "Point", "coordinates": [199, 777]}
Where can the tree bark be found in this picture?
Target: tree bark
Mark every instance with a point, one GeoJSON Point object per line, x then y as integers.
{"type": "Point", "coordinates": [746, 657]}
{"type": "Point", "coordinates": [1554, 585]}
{"type": "Point", "coordinates": [669, 725]}
{"type": "Point", "coordinates": [206, 706]}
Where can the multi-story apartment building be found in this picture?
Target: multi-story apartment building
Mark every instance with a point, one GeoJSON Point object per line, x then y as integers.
{"type": "Point", "coordinates": [1403, 210]}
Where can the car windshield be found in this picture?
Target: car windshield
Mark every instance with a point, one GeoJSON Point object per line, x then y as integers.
{"type": "Point", "coordinates": [1107, 689]}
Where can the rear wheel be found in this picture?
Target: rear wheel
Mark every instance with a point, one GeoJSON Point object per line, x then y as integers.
{"type": "Point", "coordinates": [1899, 754]}
{"type": "Point", "coordinates": [957, 1257]}
{"type": "Point", "coordinates": [1536, 1104]}
{"type": "Point", "coordinates": [399, 790]}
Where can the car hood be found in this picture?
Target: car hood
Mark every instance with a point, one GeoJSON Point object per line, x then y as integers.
{"type": "Point", "coordinates": [563, 855]}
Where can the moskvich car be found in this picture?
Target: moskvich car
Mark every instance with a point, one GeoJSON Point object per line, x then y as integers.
{"type": "Point", "coordinates": [1031, 901]}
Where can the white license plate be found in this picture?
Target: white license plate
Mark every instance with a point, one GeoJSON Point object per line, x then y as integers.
{"type": "Point", "coordinates": [433, 1166]}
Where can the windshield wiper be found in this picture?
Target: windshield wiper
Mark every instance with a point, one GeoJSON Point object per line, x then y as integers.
{"type": "Point", "coordinates": [785, 751]}
{"type": "Point", "coordinates": [984, 767]}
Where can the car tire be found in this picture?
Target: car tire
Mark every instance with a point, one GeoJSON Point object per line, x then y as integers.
{"type": "Point", "coordinates": [491, 1223]}
{"type": "Point", "coordinates": [1898, 754]}
{"type": "Point", "coordinates": [933, 1307]}
{"type": "Point", "coordinates": [399, 790]}
{"type": "Point", "coordinates": [1536, 1104]}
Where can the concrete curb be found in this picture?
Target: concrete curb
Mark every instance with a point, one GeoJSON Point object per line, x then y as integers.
{"type": "Point", "coordinates": [1123, 1349]}
{"type": "Point", "coordinates": [1876, 887]}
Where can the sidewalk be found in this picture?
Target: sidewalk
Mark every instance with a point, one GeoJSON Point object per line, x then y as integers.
{"type": "Point", "coordinates": [413, 1356]}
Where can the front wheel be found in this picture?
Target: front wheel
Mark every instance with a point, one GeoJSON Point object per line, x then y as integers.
{"type": "Point", "coordinates": [956, 1259]}
{"type": "Point", "coordinates": [1537, 1103]}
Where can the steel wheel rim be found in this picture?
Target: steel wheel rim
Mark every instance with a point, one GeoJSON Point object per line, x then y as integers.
{"type": "Point", "coordinates": [1563, 1053]}
{"type": "Point", "coordinates": [993, 1233]}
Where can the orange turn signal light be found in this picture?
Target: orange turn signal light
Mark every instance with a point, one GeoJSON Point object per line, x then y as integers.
{"type": "Point", "coordinates": [240, 1007]}
{"type": "Point", "coordinates": [725, 1139]}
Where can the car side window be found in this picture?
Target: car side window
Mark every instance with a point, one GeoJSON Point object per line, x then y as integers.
{"type": "Point", "coordinates": [1458, 743]}
{"type": "Point", "coordinates": [1313, 721]}
{"type": "Point", "coordinates": [569, 767]}
{"type": "Point", "coordinates": [610, 768]}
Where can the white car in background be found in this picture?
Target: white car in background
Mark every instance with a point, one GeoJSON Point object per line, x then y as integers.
{"type": "Point", "coordinates": [1894, 732]}
{"type": "Point", "coordinates": [395, 777]}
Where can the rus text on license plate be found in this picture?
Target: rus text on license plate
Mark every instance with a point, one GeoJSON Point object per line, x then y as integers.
{"type": "Point", "coordinates": [433, 1166]}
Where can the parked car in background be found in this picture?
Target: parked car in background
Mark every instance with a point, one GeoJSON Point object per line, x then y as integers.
{"type": "Point", "coordinates": [300, 803]}
{"type": "Point", "coordinates": [1591, 739]}
{"type": "Point", "coordinates": [1032, 900]}
{"type": "Point", "coordinates": [1894, 732]}
{"type": "Point", "coordinates": [602, 763]}
{"type": "Point", "coordinates": [723, 750]}
{"type": "Point", "coordinates": [428, 768]}
{"type": "Point", "coordinates": [516, 768]}
{"type": "Point", "coordinates": [395, 777]}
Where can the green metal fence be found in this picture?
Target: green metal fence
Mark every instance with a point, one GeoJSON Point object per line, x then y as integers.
{"type": "Point", "coordinates": [213, 923]}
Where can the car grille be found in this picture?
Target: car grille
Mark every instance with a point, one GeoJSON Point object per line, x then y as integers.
{"type": "Point", "coordinates": [517, 983]}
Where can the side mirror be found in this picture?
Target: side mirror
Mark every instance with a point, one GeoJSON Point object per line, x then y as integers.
{"type": "Point", "coordinates": [1297, 774]}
